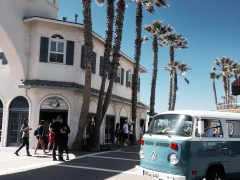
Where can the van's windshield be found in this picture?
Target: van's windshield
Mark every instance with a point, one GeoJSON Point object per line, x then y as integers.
{"type": "Point", "coordinates": [171, 124]}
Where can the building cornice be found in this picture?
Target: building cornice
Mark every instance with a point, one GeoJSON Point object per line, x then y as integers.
{"type": "Point", "coordinates": [71, 86]}
{"type": "Point", "coordinates": [78, 25]}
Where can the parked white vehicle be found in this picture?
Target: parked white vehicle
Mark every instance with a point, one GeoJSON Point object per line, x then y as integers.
{"type": "Point", "coordinates": [191, 145]}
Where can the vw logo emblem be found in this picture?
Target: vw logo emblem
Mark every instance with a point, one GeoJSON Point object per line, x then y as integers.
{"type": "Point", "coordinates": [154, 156]}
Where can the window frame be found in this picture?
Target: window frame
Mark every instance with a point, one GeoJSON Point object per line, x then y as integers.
{"type": "Point", "coordinates": [57, 39]}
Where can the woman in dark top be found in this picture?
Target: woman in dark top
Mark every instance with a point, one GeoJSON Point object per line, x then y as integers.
{"type": "Point", "coordinates": [25, 137]}
{"type": "Point", "coordinates": [40, 137]}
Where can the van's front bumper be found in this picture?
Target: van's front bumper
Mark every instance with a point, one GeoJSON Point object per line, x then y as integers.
{"type": "Point", "coordinates": [158, 175]}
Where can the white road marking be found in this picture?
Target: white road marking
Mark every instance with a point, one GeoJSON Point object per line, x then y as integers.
{"type": "Point", "coordinates": [98, 169]}
{"type": "Point", "coordinates": [124, 159]}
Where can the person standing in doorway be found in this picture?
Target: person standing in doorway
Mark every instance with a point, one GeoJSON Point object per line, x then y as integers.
{"type": "Point", "coordinates": [25, 137]}
{"type": "Point", "coordinates": [57, 127]}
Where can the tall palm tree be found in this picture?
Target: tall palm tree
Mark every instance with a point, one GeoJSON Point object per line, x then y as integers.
{"type": "Point", "coordinates": [88, 43]}
{"type": "Point", "coordinates": [174, 41]}
{"type": "Point", "coordinates": [106, 61]}
{"type": "Point", "coordinates": [149, 5]}
{"type": "Point", "coordinates": [157, 29]}
{"type": "Point", "coordinates": [181, 69]}
{"type": "Point", "coordinates": [116, 49]}
{"type": "Point", "coordinates": [214, 76]}
{"type": "Point", "coordinates": [226, 65]}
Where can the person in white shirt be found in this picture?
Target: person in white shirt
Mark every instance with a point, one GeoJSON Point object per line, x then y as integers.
{"type": "Point", "coordinates": [125, 133]}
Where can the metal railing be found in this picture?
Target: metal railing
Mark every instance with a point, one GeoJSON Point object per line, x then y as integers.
{"type": "Point", "coordinates": [228, 106]}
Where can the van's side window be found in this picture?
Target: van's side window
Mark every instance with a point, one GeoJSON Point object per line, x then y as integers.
{"type": "Point", "coordinates": [212, 128]}
{"type": "Point", "coordinates": [233, 129]}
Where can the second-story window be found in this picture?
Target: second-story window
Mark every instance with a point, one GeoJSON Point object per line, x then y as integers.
{"type": "Point", "coordinates": [128, 78]}
{"type": "Point", "coordinates": [57, 49]}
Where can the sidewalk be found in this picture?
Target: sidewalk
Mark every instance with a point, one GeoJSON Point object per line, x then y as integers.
{"type": "Point", "coordinates": [10, 163]}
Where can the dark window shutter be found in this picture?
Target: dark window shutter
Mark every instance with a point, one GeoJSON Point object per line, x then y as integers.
{"type": "Point", "coordinates": [138, 84]}
{"type": "Point", "coordinates": [127, 82]}
{"type": "Point", "coordinates": [122, 76]}
{"type": "Point", "coordinates": [44, 49]}
{"type": "Point", "coordinates": [70, 53]}
{"type": "Point", "coordinates": [83, 63]}
{"type": "Point", "coordinates": [101, 66]}
{"type": "Point", "coordinates": [94, 63]}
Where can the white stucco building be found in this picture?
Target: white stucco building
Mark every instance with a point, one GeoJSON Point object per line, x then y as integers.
{"type": "Point", "coordinates": [42, 72]}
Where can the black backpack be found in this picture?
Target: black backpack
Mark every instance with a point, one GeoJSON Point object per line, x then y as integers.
{"type": "Point", "coordinates": [36, 132]}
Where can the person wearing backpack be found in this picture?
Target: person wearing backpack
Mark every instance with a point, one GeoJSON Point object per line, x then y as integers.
{"type": "Point", "coordinates": [25, 137]}
{"type": "Point", "coordinates": [40, 134]}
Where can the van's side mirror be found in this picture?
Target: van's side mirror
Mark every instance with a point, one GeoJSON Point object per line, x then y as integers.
{"type": "Point", "coordinates": [200, 127]}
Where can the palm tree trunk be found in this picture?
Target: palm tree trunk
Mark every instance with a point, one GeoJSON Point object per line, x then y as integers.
{"type": "Point", "coordinates": [138, 44]}
{"type": "Point", "coordinates": [228, 88]}
{"type": "Point", "coordinates": [225, 89]}
{"type": "Point", "coordinates": [106, 59]}
{"type": "Point", "coordinates": [171, 78]}
{"type": "Point", "coordinates": [154, 76]}
{"type": "Point", "coordinates": [215, 93]}
{"type": "Point", "coordinates": [88, 43]}
{"type": "Point", "coordinates": [175, 88]}
{"type": "Point", "coordinates": [116, 55]}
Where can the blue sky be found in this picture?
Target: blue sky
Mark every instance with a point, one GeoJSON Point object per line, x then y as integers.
{"type": "Point", "coordinates": [212, 29]}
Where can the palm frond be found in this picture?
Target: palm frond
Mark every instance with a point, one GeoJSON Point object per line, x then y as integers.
{"type": "Point", "coordinates": [99, 2]}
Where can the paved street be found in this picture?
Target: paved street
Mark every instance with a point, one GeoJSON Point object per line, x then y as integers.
{"type": "Point", "coordinates": [113, 165]}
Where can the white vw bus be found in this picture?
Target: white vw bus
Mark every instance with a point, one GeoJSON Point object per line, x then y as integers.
{"type": "Point", "coordinates": [191, 145]}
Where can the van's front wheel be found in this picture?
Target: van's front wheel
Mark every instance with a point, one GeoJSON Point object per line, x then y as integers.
{"type": "Point", "coordinates": [215, 173]}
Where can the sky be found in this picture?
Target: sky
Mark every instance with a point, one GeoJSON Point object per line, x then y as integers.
{"type": "Point", "coordinates": [211, 28]}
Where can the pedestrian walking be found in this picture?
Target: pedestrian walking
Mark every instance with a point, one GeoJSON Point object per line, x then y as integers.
{"type": "Point", "coordinates": [125, 133]}
{"type": "Point", "coordinates": [40, 135]}
{"type": "Point", "coordinates": [57, 127]}
{"type": "Point", "coordinates": [25, 137]}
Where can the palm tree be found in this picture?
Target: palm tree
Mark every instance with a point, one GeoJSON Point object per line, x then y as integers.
{"type": "Point", "coordinates": [214, 76]}
{"type": "Point", "coordinates": [149, 5]}
{"type": "Point", "coordinates": [88, 43]}
{"type": "Point", "coordinates": [181, 69]}
{"type": "Point", "coordinates": [174, 41]}
{"type": "Point", "coordinates": [157, 29]}
{"type": "Point", "coordinates": [106, 62]}
{"type": "Point", "coordinates": [227, 68]}
{"type": "Point", "coordinates": [116, 49]}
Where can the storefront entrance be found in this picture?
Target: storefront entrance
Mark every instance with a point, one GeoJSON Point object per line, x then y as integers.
{"type": "Point", "coordinates": [109, 129]}
{"type": "Point", "coordinates": [51, 108]}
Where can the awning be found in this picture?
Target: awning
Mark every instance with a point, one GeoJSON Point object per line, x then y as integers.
{"type": "Point", "coordinates": [236, 87]}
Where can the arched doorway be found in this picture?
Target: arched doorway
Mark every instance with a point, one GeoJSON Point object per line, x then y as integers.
{"type": "Point", "coordinates": [1, 115]}
{"type": "Point", "coordinates": [18, 111]}
{"type": "Point", "coordinates": [51, 108]}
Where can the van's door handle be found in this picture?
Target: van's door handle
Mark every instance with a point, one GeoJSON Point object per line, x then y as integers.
{"type": "Point", "coordinates": [224, 148]}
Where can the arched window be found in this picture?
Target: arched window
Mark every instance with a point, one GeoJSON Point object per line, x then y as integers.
{"type": "Point", "coordinates": [19, 102]}
{"type": "Point", "coordinates": [18, 111]}
{"type": "Point", "coordinates": [57, 44]}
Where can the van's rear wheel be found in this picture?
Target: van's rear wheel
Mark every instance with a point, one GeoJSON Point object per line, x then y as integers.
{"type": "Point", "coordinates": [215, 173]}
